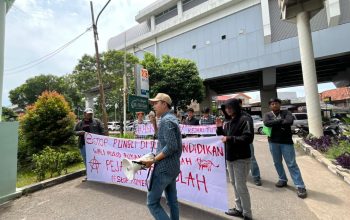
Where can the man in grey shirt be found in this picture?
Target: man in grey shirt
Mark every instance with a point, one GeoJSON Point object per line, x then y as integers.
{"type": "Point", "coordinates": [166, 162]}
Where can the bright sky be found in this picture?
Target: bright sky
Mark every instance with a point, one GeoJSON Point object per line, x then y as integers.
{"type": "Point", "coordinates": [36, 28]}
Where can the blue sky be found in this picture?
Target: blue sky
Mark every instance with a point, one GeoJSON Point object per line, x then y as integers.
{"type": "Point", "coordinates": [35, 28]}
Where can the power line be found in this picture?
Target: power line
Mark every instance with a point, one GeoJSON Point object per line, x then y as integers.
{"type": "Point", "coordinates": [36, 62]}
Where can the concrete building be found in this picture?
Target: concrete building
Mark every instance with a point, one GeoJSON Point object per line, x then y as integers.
{"type": "Point", "coordinates": [243, 45]}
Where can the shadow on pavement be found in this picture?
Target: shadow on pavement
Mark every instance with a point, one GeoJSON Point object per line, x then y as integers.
{"type": "Point", "coordinates": [139, 197]}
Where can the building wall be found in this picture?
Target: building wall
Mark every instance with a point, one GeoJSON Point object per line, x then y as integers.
{"type": "Point", "coordinates": [243, 48]}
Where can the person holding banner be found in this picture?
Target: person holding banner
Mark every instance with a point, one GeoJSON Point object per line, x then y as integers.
{"type": "Point", "coordinates": [166, 162]}
{"type": "Point", "coordinates": [90, 125]}
{"type": "Point", "coordinates": [139, 121]}
{"type": "Point", "coordinates": [191, 120]}
{"type": "Point", "coordinates": [238, 134]}
{"type": "Point", "coordinates": [282, 146]}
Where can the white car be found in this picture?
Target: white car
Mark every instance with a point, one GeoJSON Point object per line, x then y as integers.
{"type": "Point", "coordinates": [258, 126]}
{"type": "Point", "coordinates": [113, 126]}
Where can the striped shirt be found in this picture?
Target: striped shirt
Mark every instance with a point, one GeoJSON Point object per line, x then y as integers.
{"type": "Point", "coordinates": [170, 143]}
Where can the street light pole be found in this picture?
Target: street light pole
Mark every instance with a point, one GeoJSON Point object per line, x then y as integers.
{"type": "Point", "coordinates": [99, 77]}
{"type": "Point", "coordinates": [125, 89]}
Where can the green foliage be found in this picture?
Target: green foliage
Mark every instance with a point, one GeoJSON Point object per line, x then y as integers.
{"type": "Point", "coordinates": [8, 114]}
{"type": "Point", "coordinates": [112, 67]}
{"type": "Point", "coordinates": [338, 149]}
{"type": "Point", "coordinates": [27, 93]}
{"type": "Point", "coordinates": [49, 122]}
{"type": "Point", "coordinates": [179, 78]}
{"type": "Point", "coordinates": [128, 135]}
{"type": "Point", "coordinates": [52, 161]}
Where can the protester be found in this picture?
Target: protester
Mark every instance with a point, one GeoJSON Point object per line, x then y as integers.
{"type": "Point", "coordinates": [281, 145]}
{"type": "Point", "coordinates": [139, 121]}
{"type": "Point", "coordinates": [206, 118]}
{"type": "Point", "coordinates": [191, 120]}
{"type": "Point", "coordinates": [238, 135]}
{"type": "Point", "coordinates": [166, 162]}
{"type": "Point", "coordinates": [254, 167]}
{"type": "Point", "coordinates": [90, 125]}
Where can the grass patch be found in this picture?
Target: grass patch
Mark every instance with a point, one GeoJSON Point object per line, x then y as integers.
{"type": "Point", "coordinates": [25, 178]}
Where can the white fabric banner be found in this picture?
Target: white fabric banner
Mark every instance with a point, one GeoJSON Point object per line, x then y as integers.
{"type": "Point", "coordinates": [203, 174]}
{"type": "Point", "coordinates": [148, 129]}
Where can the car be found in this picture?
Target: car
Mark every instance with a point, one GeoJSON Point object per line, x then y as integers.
{"type": "Point", "coordinates": [300, 119]}
{"type": "Point", "coordinates": [113, 126]}
{"type": "Point", "coordinates": [258, 125]}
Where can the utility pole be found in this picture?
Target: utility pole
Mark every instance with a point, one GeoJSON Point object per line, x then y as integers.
{"type": "Point", "coordinates": [125, 87]}
{"type": "Point", "coordinates": [99, 77]}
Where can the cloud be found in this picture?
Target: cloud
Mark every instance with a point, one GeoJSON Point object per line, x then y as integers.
{"type": "Point", "coordinates": [34, 28]}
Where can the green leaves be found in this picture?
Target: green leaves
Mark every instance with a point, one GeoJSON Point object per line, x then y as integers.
{"type": "Point", "coordinates": [177, 77]}
{"type": "Point", "coordinates": [48, 122]}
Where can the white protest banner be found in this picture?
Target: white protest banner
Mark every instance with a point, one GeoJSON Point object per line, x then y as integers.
{"type": "Point", "coordinates": [203, 175]}
{"type": "Point", "coordinates": [148, 129]}
{"type": "Point", "coordinates": [198, 129]}
{"type": "Point", "coordinates": [144, 129]}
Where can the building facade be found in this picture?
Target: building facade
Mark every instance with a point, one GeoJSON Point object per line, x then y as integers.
{"type": "Point", "coordinates": [242, 45]}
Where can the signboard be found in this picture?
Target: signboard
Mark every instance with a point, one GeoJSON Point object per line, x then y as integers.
{"type": "Point", "coordinates": [137, 104]}
{"type": "Point", "coordinates": [144, 83]}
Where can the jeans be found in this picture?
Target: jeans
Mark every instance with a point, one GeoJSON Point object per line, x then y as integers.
{"type": "Point", "coordinates": [167, 183]}
{"type": "Point", "coordinates": [83, 154]}
{"type": "Point", "coordinates": [238, 171]}
{"type": "Point", "coordinates": [288, 153]}
{"type": "Point", "coordinates": [254, 167]}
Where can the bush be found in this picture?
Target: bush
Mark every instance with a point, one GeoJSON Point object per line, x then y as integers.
{"type": "Point", "coordinates": [49, 122]}
{"type": "Point", "coordinates": [342, 147]}
{"type": "Point", "coordinates": [52, 161]}
{"type": "Point", "coordinates": [321, 144]}
{"type": "Point", "coordinates": [344, 160]}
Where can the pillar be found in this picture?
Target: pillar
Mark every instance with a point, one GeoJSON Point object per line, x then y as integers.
{"type": "Point", "coordinates": [309, 74]}
{"type": "Point", "coordinates": [179, 9]}
{"type": "Point", "coordinates": [268, 89]}
{"type": "Point", "coordinates": [207, 101]}
{"type": "Point", "coordinates": [2, 41]}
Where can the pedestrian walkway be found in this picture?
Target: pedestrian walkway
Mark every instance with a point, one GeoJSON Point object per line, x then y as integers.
{"type": "Point", "coordinates": [328, 198]}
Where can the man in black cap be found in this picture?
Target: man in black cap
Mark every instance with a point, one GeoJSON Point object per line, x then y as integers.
{"type": "Point", "coordinates": [282, 146]}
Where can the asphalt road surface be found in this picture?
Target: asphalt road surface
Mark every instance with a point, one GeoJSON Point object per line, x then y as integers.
{"type": "Point", "coordinates": [328, 198]}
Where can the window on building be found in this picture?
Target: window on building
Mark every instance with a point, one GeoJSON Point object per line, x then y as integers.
{"type": "Point", "coordinates": [167, 14]}
{"type": "Point", "coordinates": [223, 37]}
{"type": "Point", "coordinates": [194, 46]}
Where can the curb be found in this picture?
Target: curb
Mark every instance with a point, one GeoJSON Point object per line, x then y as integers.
{"type": "Point", "coordinates": [50, 182]}
{"type": "Point", "coordinates": [335, 169]}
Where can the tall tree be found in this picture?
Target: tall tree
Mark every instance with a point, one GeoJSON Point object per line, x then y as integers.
{"type": "Point", "coordinates": [177, 77]}
{"type": "Point", "coordinates": [8, 114]}
{"type": "Point", "coordinates": [112, 65]}
{"type": "Point", "coordinates": [28, 93]}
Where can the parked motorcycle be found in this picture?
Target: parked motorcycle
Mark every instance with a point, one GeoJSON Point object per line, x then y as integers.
{"type": "Point", "coordinates": [302, 131]}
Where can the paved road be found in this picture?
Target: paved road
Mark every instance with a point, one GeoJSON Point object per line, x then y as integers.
{"type": "Point", "coordinates": [329, 198]}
